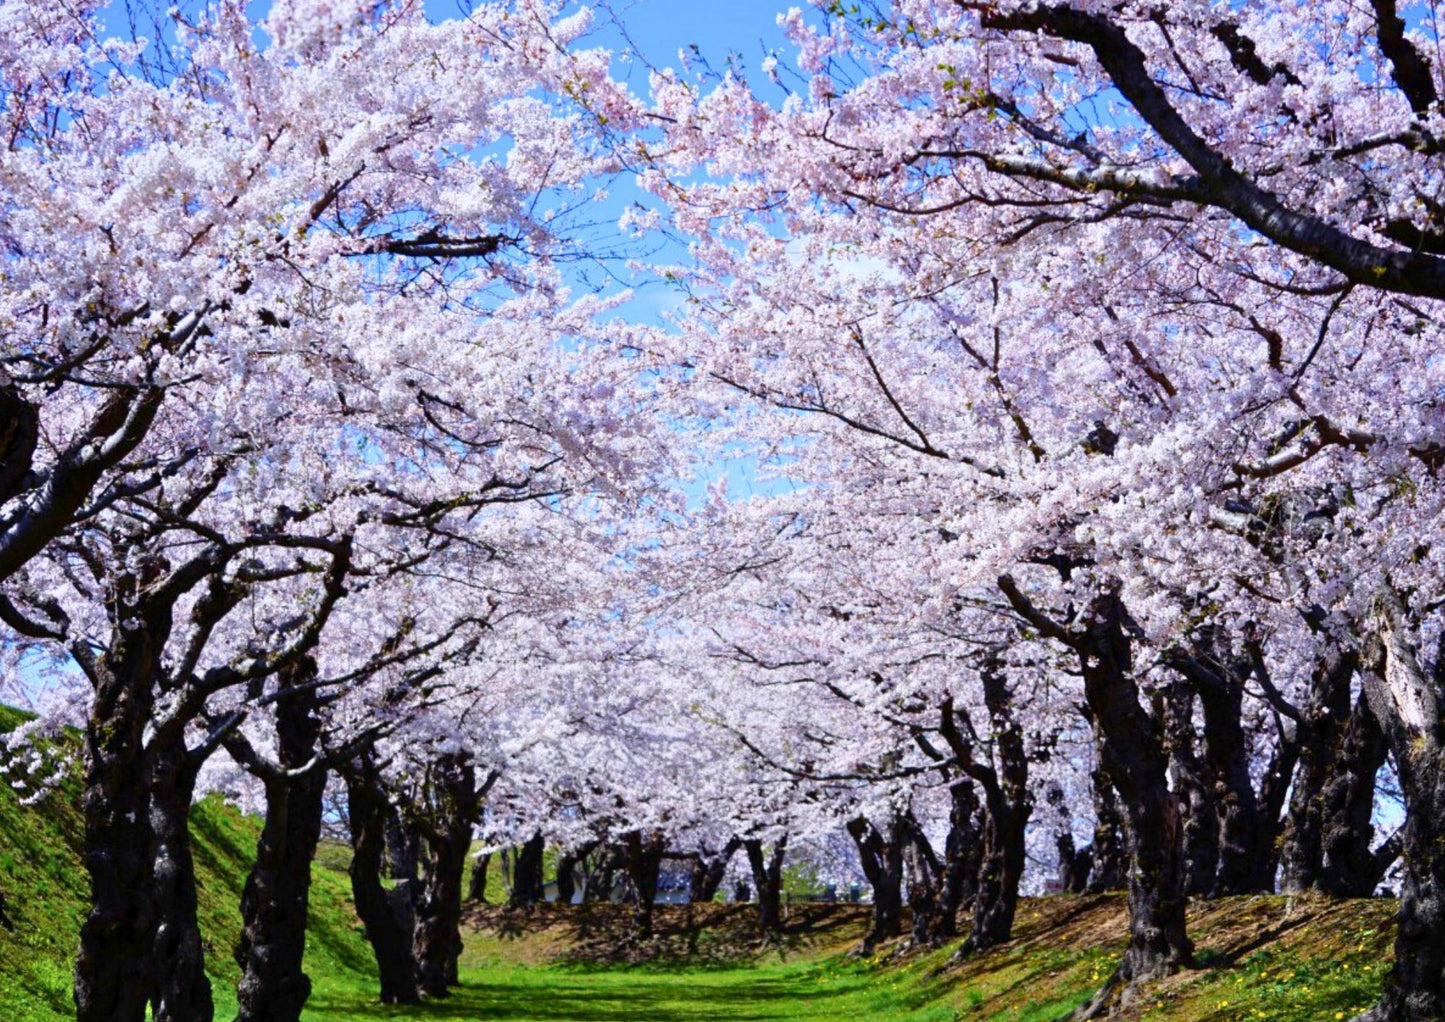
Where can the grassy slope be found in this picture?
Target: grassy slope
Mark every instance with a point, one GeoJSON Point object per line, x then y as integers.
{"type": "Point", "coordinates": [1262, 958]}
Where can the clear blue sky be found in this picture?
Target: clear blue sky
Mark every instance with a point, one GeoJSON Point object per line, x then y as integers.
{"type": "Point", "coordinates": [660, 28]}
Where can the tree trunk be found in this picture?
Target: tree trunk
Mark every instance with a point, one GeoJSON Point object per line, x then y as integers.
{"type": "Point", "coordinates": [1347, 800]}
{"type": "Point", "coordinates": [1321, 732]}
{"type": "Point", "coordinates": [643, 862]}
{"type": "Point", "coordinates": [182, 989]}
{"type": "Point", "coordinates": [403, 846]}
{"type": "Point", "coordinates": [1218, 672]}
{"type": "Point", "coordinates": [962, 852]}
{"type": "Point", "coordinates": [925, 877]}
{"type": "Point", "coordinates": [1008, 807]}
{"type": "Point", "coordinates": [1107, 853]}
{"type": "Point", "coordinates": [527, 886]}
{"type": "Point", "coordinates": [1273, 790]}
{"type": "Point", "coordinates": [1195, 788]}
{"type": "Point", "coordinates": [477, 889]}
{"type": "Point", "coordinates": [113, 982]}
{"type": "Point", "coordinates": [882, 861]}
{"type": "Point", "coordinates": [708, 872]}
{"type": "Point", "coordinates": [385, 915]}
{"type": "Point", "coordinates": [452, 806]}
{"type": "Point", "coordinates": [273, 986]}
{"type": "Point", "coordinates": [1131, 752]}
{"type": "Point", "coordinates": [1407, 705]}
{"type": "Point", "coordinates": [768, 879]}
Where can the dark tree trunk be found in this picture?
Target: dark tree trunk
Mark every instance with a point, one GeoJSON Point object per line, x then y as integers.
{"type": "Point", "coordinates": [403, 846]}
{"type": "Point", "coordinates": [962, 852]}
{"type": "Point", "coordinates": [1273, 791]}
{"type": "Point", "coordinates": [1321, 731]}
{"type": "Point", "coordinates": [385, 915]}
{"type": "Point", "coordinates": [1007, 809]}
{"type": "Point", "coordinates": [1195, 788]}
{"type": "Point", "coordinates": [273, 986]}
{"type": "Point", "coordinates": [926, 879]}
{"type": "Point", "coordinates": [566, 878]}
{"type": "Point", "coordinates": [527, 885]}
{"type": "Point", "coordinates": [882, 861]}
{"type": "Point", "coordinates": [708, 872]}
{"type": "Point", "coordinates": [182, 990]}
{"type": "Point", "coordinates": [1073, 861]}
{"type": "Point", "coordinates": [768, 879]}
{"type": "Point", "coordinates": [1408, 707]}
{"type": "Point", "coordinates": [19, 434]}
{"type": "Point", "coordinates": [477, 888]}
{"type": "Point", "coordinates": [453, 804]}
{"type": "Point", "coordinates": [113, 982]}
{"type": "Point", "coordinates": [1131, 752]}
{"type": "Point", "coordinates": [1107, 853]}
{"type": "Point", "coordinates": [1347, 866]}
{"type": "Point", "coordinates": [1218, 671]}
{"type": "Point", "coordinates": [603, 878]}
{"type": "Point", "coordinates": [643, 862]}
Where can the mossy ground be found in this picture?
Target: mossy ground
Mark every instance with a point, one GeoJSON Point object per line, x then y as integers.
{"type": "Point", "coordinates": [1260, 958]}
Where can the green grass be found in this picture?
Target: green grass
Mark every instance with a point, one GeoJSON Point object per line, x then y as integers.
{"type": "Point", "coordinates": [1260, 958]}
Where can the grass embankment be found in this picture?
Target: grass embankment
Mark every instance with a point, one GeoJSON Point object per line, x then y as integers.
{"type": "Point", "coordinates": [1261, 958]}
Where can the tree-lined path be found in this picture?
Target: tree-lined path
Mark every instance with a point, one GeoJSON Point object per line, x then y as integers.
{"type": "Point", "coordinates": [943, 454]}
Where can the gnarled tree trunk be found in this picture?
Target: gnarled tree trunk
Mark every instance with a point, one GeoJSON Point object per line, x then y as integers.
{"type": "Point", "coordinates": [477, 887]}
{"type": "Point", "coordinates": [708, 872]}
{"type": "Point", "coordinates": [182, 989]}
{"type": "Point", "coordinates": [643, 862]}
{"type": "Point", "coordinates": [962, 853]}
{"type": "Point", "coordinates": [273, 987]}
{"type": "Point", "coordinates": [1195, 787]}
{"type": "Point", "coordinates": [1108, 855]}
{"type": "Point", "coordinates": [1408, 706]}
{"type": "Point", "coordinates": [1348, 869]}
{"type": "Point", "coordinates": [1320, 732]}
{"type": "Point", "coordinates": [527, 884]}
{"type": "Point", "coordinates": [882, 860]}
{"type": "Point", "coordinates": [113, 980]}
{"type": "Point", "coordinates": [452, 806]}
{"type": "Point", "coordinates": [768, 879]}
{"type": "Point", "coordinates": [386, 915]}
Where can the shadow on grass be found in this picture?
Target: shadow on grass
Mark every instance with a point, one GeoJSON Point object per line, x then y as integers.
{"type": "Point", "coordinates": [568, 997]}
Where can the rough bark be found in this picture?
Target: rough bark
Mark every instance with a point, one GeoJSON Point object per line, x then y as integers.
{"type": "Point", "coordinates": [1108, 856]}
{"type": "Point", "coordinates": [386, 916]}
{"type": "Point", "coordinates": [1131, 752]}
{"type": "Point", "coordinates": [528, 887]}
{"type": "Point", "coordinates": [708, 872]}
{"type": "Point", "coordinates": [642, 858]}
{"type": "Point", "coordinates": [403, 845]}
{"type": "Point", "coordinates": [452, 805]}
{"type": "Point", "coordinates": [1347, 799]}
{"type": "Point", "coordinates": [926, 878]}
{"type": "Point", "coordinates": [182, 990]}
{"type": "Point", "coordinates": [1007, 807]}
{"type": "Point", "coordinates": [882, 861]}
{"type": "Point", "coordinates": [477, 887]}
{"type": "Point", "coordinates": [273, 986]}
{"type": "Point", "coordinates": [1195, 787]}
{"type": "Point", "coordinates": [1407, 705]}
{"type": "Point", "coordinates": [768, 880]}
{"type": "Point", "coordinates": [1218, 670]}
{"type": "Point", "coordinates": [1073, 861]}
{"type": "Point", "coordinates": [19, 434]}
{"type": "Point", "coordinates": [113, 981]}
{"type": "Point", "coordinates": [962, 853]}
{"type": "Point", "coordinates": [1321, 729]}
